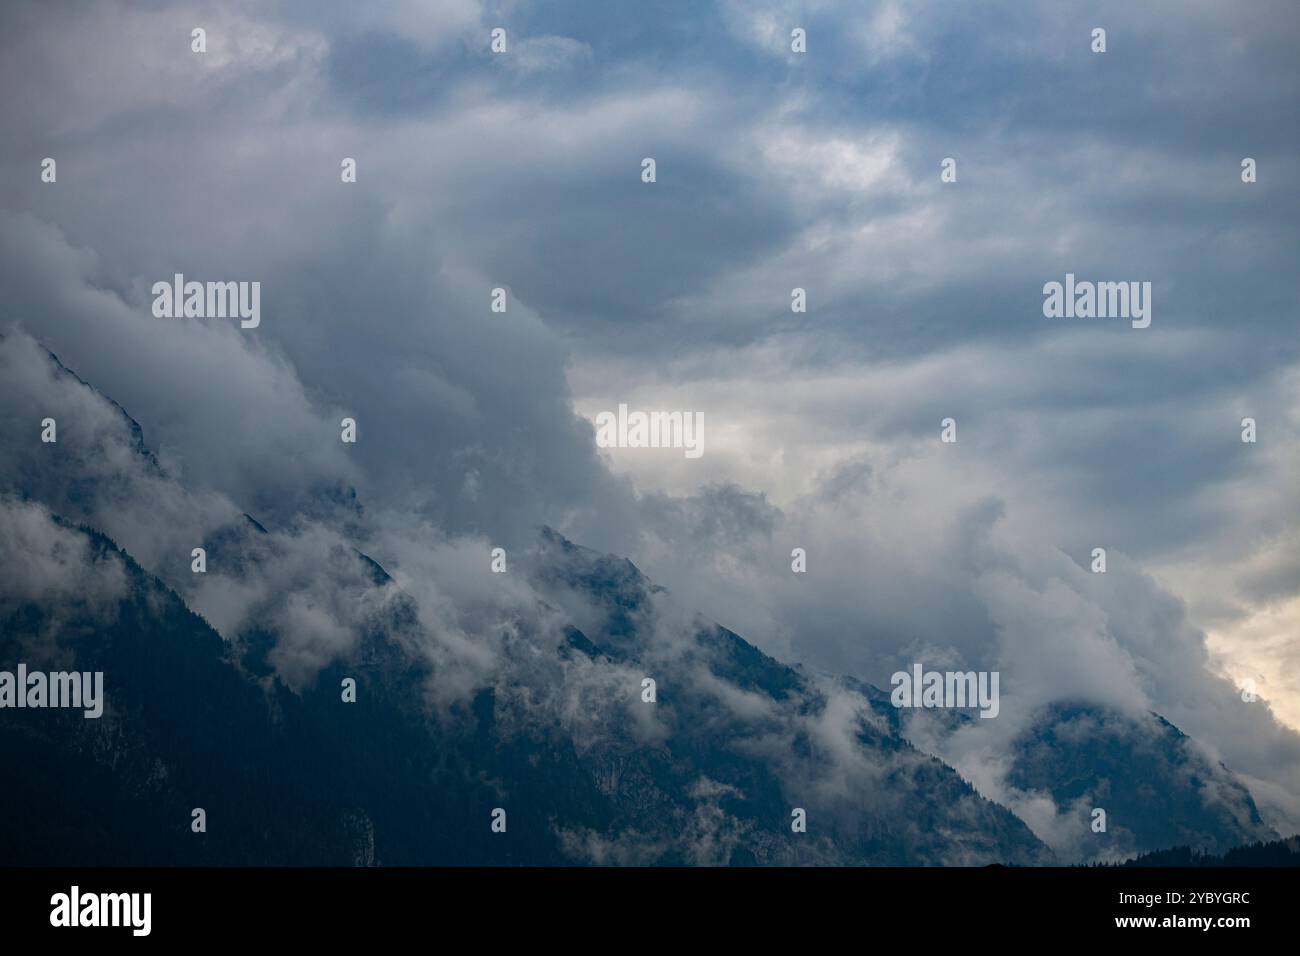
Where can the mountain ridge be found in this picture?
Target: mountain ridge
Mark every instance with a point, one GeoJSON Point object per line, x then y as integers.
{"type": "Point", "coordinates": [538, 704]}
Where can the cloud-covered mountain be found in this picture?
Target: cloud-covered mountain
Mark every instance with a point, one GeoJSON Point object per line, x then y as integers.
{"type": "Point", "coordinates": [552, 726]}
{"type": "Point", "coordinates": [1157, 788]}
{"type": "Point", "coordinates": [777, 169]}
{"type": "Point", "coordinates": [584, 769]}
{"type": "Point", "coordinates": [475, 690]}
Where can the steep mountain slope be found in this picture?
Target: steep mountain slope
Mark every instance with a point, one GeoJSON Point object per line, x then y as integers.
{"type": "Point", "coordinates": [1157, 788]}
{"type": "Point", "coordinates": [306, 778]}
{"type": "Point", "coordinates": [752, 738]}
{"type": "Point", "coordinates": [526, 691]}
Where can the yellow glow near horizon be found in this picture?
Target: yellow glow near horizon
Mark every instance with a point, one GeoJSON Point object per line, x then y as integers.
{"type": "Point", "coordinates": [1263, 647]}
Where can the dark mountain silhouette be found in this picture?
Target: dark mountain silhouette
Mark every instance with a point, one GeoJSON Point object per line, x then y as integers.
{"type": "Point", "coordinates": [290, 778]}
{"type": "Point", "coordinates": [536, 706]}
{"type": "Point", "coordinates": [1157, 788]}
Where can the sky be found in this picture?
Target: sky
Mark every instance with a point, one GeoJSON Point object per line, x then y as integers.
{"type": "Point", "coordinates": [775, 170]}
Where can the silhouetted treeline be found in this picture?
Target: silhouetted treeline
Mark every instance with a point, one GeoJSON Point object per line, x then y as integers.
{"type": "Point", "coordinates": [1273, 853]}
